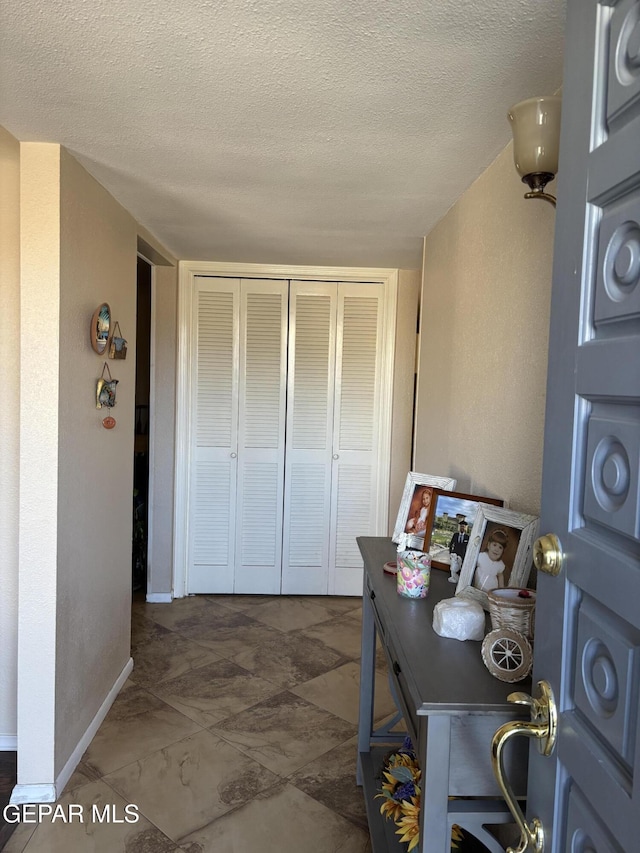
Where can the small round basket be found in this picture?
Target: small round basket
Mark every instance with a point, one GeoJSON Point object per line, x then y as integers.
{"type": "Point", "coordinates": [513, 608]}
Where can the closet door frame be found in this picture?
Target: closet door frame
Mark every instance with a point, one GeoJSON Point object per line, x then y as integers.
{"type": "Point", "coordinates": [188, 270]}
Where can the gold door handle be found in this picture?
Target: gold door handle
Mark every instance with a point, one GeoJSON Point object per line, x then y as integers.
{"type": "Point", "coordinates": [543, 727]}
{"type": "Point", "coordinates": [547, 554]}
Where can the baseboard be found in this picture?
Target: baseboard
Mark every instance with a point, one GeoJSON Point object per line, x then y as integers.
{"type": "Point", "coordinates": [33, 794]}
{"type": "Point", "coordinates": [50, 793]}
{"type": "Point", "coordinates": [159, 598]}
{"type": "Point", "coordinates": [8, 743]}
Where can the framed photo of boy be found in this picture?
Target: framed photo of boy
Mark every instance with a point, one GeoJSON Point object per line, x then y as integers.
{"type": "Point", "coordinates": [415, 505]}
{"type": "Point", "coordinates": [451, 517]}
{"type": "Point", "coordinates": [500, 552]}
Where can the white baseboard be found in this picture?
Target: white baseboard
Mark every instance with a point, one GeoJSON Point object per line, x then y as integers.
{"type": "Point", "coordinates": [50, 793]}
{"type": "Point", "coordinates": [159, 598]}
{"type": "Point", "coordinates": [8, 743]}
{"type": "Point", "coordinates": [33, 794]}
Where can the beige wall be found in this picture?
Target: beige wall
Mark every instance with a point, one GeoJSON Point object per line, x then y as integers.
{"type": "Point", "coordinates": [98, 240]}
{"type": "Point", "coordinates": [78, 248]}
{"type": "Point", "coordinates": [483, 344]}
{"type": "Point", "coordinates": [9, 430]}
{"type": "Point", "coordinates": [403, 387]}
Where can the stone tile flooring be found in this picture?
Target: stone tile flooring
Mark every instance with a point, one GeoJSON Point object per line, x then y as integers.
{"type": "Point", "coordinates": [235, 732]}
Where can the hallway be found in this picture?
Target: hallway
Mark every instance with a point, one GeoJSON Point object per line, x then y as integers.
{"type": "Point", "coordinates": [235, 732]}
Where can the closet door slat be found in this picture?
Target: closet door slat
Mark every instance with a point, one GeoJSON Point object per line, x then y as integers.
{"type": "Point", "coordinates": [261, 435]}
{"type": "Point", "coordinates": [355, 432]}
{"type": "Point", "coordinates": [213, 487]}
{"type": "Point", "coordinates": [311, 376]}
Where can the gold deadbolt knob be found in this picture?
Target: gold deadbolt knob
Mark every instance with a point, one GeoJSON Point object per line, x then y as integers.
{"type": "Point", "coordinates": [547, 554]}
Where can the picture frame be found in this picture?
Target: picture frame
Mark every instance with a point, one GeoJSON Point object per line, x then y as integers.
{"type": "Point", "coordinates": [520, 530]}
{"type": "Point", "coordinates": [415, 486]}
{"type": "Point", "coordinates": [448, 509]}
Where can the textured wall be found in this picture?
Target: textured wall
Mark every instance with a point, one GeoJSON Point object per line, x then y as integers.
{"type": "Point", "coordinates": [97, 264]}
{"type": "Point", "coordinates": [9, 429]}
{"type": "Point", "coordinates": [484, 337]}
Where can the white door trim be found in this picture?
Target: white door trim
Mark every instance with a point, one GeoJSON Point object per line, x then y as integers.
{"type": "Point", "coordinates": [188, 270]}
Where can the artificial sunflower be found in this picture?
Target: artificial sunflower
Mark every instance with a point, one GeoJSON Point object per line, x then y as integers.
{"type": "Point", "coordinates": [409, 823]}
{"type": "Point", "coordinates": [401, 793]}
{"type": "Point", "coordinates": [401, 782]}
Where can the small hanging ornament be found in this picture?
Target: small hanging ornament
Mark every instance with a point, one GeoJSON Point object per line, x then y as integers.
{"type": "Point", "coordinates": [108, 422]}
{"type": "Point", "coordinates": [118, 345]}
{"type": "Point", "coordinates": [106, 389]}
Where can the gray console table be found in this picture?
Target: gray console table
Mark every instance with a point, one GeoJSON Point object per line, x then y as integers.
{"type": "Point", "coordinates": [451, 707]}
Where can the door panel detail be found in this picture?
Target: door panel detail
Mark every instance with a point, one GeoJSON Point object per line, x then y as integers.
{"type": "Point", "coordinates": [585, 834]}
{"type": "Point", "coordinates": [307, 520]}
{"type": "Point", "coordinates": [624, 59]}
{"type": "Point", "coordinates": [214, 391]}
{"type": "Point", "coordinates": [613, 460]}
{"type": "Point", "coordinates": [353, 513]}
{"type": "Point", "coordinates": [263, 371]}
{"type": "Point", "coordinates": [606, 684]}
{"type": "Point", "coordinates": [617, 291]}
{"type": "Point", "coordinates": [260, 518]}
{"type": "Point", "coordinates": [211, 516]}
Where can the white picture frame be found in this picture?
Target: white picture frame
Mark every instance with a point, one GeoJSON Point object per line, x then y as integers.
{"type": "Point", "coordinates": [520, 530]}
{"type": "Point", "coordinates": [415, 484]}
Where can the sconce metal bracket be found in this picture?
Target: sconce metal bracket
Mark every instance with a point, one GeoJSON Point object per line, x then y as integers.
{"type": "Point", "coordinates": [537, 181]}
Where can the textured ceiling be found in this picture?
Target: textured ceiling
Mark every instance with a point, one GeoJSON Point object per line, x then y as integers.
{"type": "Point", "coordinates": [274, 131]}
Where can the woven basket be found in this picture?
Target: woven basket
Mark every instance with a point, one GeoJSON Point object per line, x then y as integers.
{"type": "Point", "coordinates": [513, 608]}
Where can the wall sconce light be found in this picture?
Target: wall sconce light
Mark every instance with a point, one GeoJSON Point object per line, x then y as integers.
{"type": "Point", "coordinates": [535, 124]}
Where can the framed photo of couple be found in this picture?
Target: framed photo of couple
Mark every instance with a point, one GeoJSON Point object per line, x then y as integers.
{"type": "Point", "coordinates": [499, 553]}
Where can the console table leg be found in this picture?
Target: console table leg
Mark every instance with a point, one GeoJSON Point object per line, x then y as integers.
{"type": "Point", "coordinates": [435, 834]}
{"type": "Point", "coordinates": [367, 681]}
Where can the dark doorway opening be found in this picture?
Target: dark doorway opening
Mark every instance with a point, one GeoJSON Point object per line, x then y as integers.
{"type": "Point", "coordinates": [141, 441]}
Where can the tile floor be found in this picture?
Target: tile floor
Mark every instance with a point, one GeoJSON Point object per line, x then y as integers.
{"type": "Point", "coordinates": [235, 732]}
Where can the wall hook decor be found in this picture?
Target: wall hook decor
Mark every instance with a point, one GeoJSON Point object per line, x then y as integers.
{"type": "Point", "coordinates": [106, 389]}
{"type": "Point", "coordinates": [118, 345]}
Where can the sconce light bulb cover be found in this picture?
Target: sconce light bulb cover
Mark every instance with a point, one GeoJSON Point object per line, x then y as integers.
{"type": "Point", "coordinates": [535, 124]}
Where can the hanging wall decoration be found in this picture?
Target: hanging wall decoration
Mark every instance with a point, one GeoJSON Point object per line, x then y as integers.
{"type": "Point", "coordinates": [118, 346]}
{"type": "Point", "coordinates": [99, 330]}
{"type": "Point", "coordinates": [106, 389]}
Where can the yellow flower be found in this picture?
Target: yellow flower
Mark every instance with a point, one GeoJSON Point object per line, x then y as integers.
{"type": "Point", "coordinates": [391, 809]}
{"type": "Point", "coordinates": [409, 823]}
{"type": "Point", "coordinates": [456, 836]}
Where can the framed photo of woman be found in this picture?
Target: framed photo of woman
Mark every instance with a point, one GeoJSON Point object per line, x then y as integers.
{"type": "Point", "coordinates": [415, 506]}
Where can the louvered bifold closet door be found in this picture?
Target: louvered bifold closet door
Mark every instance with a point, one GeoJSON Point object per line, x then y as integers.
{"type": "Point", "coordinates": [310, 400]}
{"type": "Point", "coordinates": [212, 516]}
{"type": "Point", "coordinates": [261, 435]}
{"type": "Point", "coordinates": [355, 431]}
